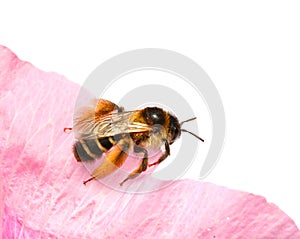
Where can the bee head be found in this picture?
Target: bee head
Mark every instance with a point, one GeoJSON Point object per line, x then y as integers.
{"type": "Point", "coordinates": [174, 129]}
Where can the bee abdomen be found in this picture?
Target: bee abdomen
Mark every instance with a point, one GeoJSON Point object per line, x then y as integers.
{"type": "Point", "coordinates": [105, 143]}
{"type": "Point", "coordinates": [89, 150]}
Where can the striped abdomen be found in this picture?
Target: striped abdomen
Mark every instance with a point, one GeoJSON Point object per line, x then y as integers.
{"type": "Point", "coordinates": [90, 149]}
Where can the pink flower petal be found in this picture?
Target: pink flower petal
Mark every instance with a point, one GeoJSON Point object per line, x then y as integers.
{"type": "Point", "coordinates": [42, 195]}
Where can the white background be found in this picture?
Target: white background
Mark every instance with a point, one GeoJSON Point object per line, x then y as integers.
{"type": "Point", "coordinates": [250, 49]}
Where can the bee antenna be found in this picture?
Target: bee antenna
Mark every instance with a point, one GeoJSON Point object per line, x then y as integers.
{"type": "Point", "coordinates": [187, 120]}
{"type": "Point", "coordinates": [184, 130]}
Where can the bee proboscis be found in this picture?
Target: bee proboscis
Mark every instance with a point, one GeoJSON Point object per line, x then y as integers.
{"type": "Point", "coordinates": [100, 129]}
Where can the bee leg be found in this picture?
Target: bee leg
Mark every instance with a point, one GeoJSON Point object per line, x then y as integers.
{"type": "Point", "coordinates": [164, 155]}
{"type": "Point", "coordinates": [143, 165]}
{"type": "Point", "coordinates": [90, 179]}
{"type": "Point", "coordinates": [67, 129]}
{"type": "Point", "coordinates": [113, 160]}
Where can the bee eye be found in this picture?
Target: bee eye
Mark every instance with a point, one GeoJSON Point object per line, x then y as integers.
{"type": "Point", "coordinates": [174, 132]}
{"type": "Point", "coordinates": [174, 129]}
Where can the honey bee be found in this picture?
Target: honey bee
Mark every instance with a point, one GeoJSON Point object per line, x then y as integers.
{"type": "Point", "coordinates": [108, 129]}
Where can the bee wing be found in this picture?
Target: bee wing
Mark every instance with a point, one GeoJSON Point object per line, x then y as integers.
{"type": "Point", "coordinates": [109, 125]}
